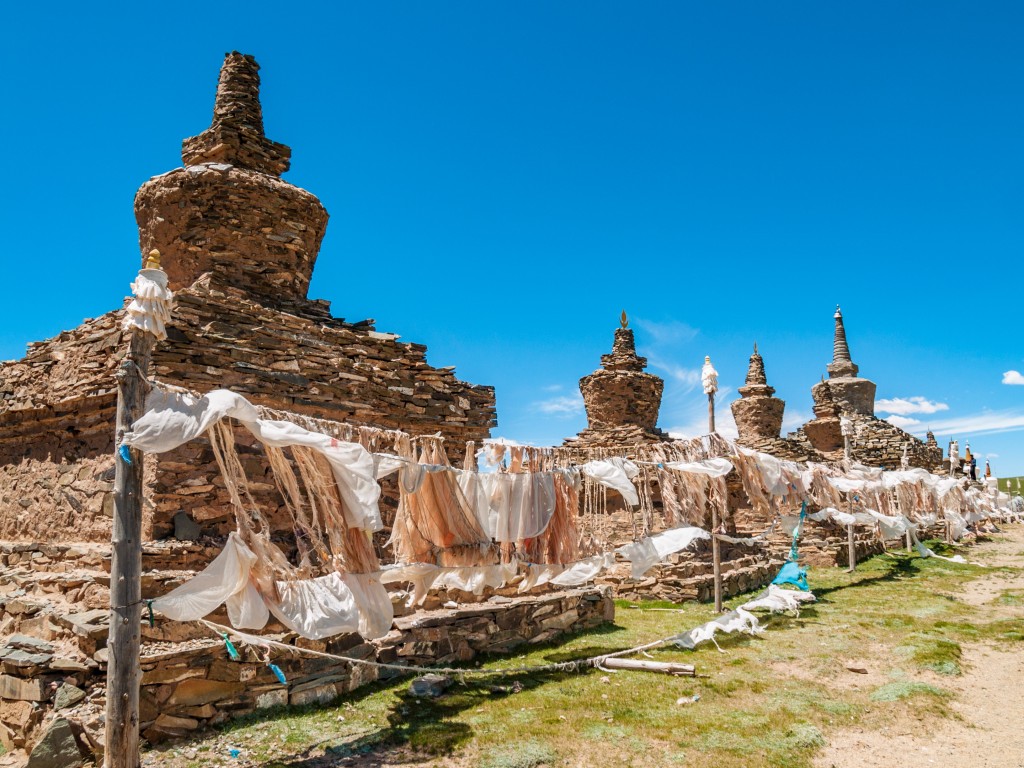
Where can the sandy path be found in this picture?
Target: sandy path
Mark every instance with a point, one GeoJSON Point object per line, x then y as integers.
{"type": "Point", "coordinates": [988, 730]}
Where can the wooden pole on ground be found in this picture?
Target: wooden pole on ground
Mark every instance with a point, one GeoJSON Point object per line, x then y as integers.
{"type": "Point", "coordinates": [123, 643]}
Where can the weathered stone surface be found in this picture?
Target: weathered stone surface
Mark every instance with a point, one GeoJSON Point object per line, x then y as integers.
{"type": "Point", "coordinates": [67, 696]}
{"type": "Point", "coordinates": [621, 400]}
{"type": "Point", "coordinates": [239, 245]}
{"type": "Point", "coordinates": [17, 689]}
{"type": "Point", "coordinates": [56, 748]}
{"type": "Point", "coordinates": [190, 693]}
{"type": "Point", "coordinates": [185, 528]}
{"type": "Point", "coordinates": [430, 686]}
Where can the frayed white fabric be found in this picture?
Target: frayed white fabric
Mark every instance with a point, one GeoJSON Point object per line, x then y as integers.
{"type": "Point", "coordinates": [316, 608]}
{"type": "Point", "coordinates": [648, 552]}
{"type": "Point", "coordinates": [246, 609]}
{"type": "Point", "coordinates": [774, 599]}
{"type": "Point", "coordinates": [420, 575]}
{"type": "Point", "coordinates": [150, 310]}
{"type": "Point", "coordinates": [709, 467]}
{"type": "Point", "coordinates": [733, 621]}
{"type": "Point", "coordinates": [616, 473]}
{"type": "Point", "coordinates": [537, 574]}
{"type": "Point", "coordinates": [376, 613]}
{"type": "Point", "coordinates": [476, 578]}
{"type": "Point", "coordinates": [583, 571]}
{"type": "Point", "coordinates": [225, 577]}
{"type": "Point", "coordinates": [836, 515]}
{"type": "Point", "coordinates": [174, 418]}
{"type": "Point", "coordinates": [531, 503]}
{"type": "Point", "coordinates": [470, 578]}
{"type": "Point", "coordinates": [778, 600]}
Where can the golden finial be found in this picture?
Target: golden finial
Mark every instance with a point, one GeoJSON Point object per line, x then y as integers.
{"type": "Point", "coordinates": [153, 259]}
{"type": "Point", "coordinates": [624, 320]}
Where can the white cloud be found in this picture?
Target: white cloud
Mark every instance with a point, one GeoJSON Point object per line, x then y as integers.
{"type": "Point", "coordinates": [793, 420]}
{"type": "Point", "coordinates": [991, 455]}
{"type": "Point", "coordinates": [562, 407]}
{"type": "Point", "coordinates": [906, 405]}
{"type": "Point", "coordinates": [1013, 377]}
{"type": "Point", "coordinates": [552, 388]}
{"type": "Point", "coordinates": [902, 421]}
{"type": "Point", "coordinates": [985, 423]}
{"type": "Point", "coordinates": [670, 332]}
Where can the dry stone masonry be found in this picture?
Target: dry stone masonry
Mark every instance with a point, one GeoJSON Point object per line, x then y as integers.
{"type": "Point", "coordinates": [876, 442]}
{"type": "Point", "coordinates": [621, 399]}
{"type": "Point", "coordinates": [239, 245]}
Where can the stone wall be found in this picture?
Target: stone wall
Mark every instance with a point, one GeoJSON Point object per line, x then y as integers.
{"type": "Point", "coordinates": [57, 405]}
{"type": "Point", "coordinates": [690, 576]}
{"type": "Point", "coordinates": [54, 663]}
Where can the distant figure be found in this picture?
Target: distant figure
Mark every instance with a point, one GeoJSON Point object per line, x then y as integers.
{"type": "Point", "coordinates": [974, 468]}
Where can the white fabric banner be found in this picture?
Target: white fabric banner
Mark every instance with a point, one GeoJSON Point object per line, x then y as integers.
{"type": "Point", "coordinates": [173, 419]}
{"type": "Point", "coordinates": [615, 473]}
{"type": "Point", "coordinates": [649, 551]}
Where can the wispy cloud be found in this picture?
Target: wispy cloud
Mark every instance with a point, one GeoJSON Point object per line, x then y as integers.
{"type": "Point", "coordinates": [561, 407]}
{"type": "Point", "coordinates": [991, 455]}
{"type": "Point", "coordinates": [906, 405]}
{"type": "Point", "coordinates": [552, 388]}
{"type": "Point", "coordinates": [793, 420]}
{"type": "Point", "coordinates": [985, 423]}
{"type": "Point", "coordinates": [903, 422]}
{"type": "Point", "coordinates": [1013, 377]}
{"type": "Point", "coordinates": [686, 378]}
{"type": "Point", "coordinates": [693, 420]}
{"type": "Point", "coordinates": [670, 332]}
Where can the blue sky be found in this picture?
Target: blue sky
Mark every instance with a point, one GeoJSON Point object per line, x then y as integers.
{"type": "Point", "coordinates": [504, 178]}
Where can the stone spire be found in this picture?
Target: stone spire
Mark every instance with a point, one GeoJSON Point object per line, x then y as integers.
{"type": "Point", "coordinates": [757, 414]}
{"type": "Point", "coordinates": [757, 381]}
{"type": "Point", "coordinates": [623, 356]}
{"type": "Point", "coordinates": [228, 213]}
{"type": "Point", "coordinates": [236, 134]}
{"type": "Point", "coordinates": [621, 399]}
{"type": "Point", "coordinates": [841, 365]}
{"type": "Point", "coordinates": [852, 394]}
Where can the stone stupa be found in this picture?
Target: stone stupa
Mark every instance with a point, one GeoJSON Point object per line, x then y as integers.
{"type": "Point", "coordinates": [622, 400]}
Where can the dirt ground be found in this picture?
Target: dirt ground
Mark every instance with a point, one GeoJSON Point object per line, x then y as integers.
{"type": "Point", "coordinates": [988, 728]}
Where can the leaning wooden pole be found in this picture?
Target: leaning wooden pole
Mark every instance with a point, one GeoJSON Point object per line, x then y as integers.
{"type": "Point", "coordinates": [123, 643]}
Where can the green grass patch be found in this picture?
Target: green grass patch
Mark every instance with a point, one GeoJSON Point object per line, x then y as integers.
{"type": "Point", "coordinates": [904, 689]}
{"type": "Point", "coordinates": [1011, 597]}
{"type": "Point", "coordinates": [936, 653]}
{"type": "Point", "coordinates": [520, 754]}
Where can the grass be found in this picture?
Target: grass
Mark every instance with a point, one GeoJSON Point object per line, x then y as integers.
{"type": "Point", "coordinates": [765, 701]}
{"type": "Point", "coordinates": [904, 689]}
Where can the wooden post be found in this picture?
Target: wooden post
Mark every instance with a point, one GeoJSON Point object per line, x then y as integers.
{"type": "Point", "coordinates": [851, 546]}
{"type": "Point", "coordinates": [716, 559]}
{"type": "Point", "coordinates": [123, 670]}
{"type": "Point", "coordinates": [709, 380]}
{"type": "Point", "coordinates": [909, 547]}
